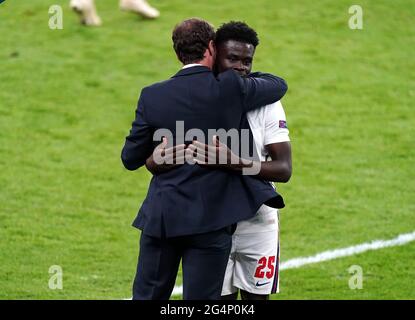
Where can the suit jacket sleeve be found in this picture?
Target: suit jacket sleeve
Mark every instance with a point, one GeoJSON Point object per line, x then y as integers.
{"type": "Point", "coordinates": [261, 89]}
{"type": "Point", "coordinates": [139, 143]}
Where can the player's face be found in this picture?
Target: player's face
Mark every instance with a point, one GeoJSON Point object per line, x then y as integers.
{"type": "Point", "coordinates": [235, 55]}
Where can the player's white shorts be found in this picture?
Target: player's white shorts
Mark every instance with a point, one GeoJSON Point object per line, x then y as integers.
{"type": "Point", "coordinates": [253, 264]}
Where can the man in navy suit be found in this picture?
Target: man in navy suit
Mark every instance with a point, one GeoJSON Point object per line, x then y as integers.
{"type": "Point", "coordinates": [189, 212]}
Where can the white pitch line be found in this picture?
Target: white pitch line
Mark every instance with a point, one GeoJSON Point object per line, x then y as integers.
{"type": "Point", "coordinates": [337, 253]}
{"type": "Point", "coordinates": [349, 251]}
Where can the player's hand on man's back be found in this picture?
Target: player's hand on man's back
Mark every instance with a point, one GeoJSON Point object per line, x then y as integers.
{"type": "Point", "coordinates": [216, 155]}
{"type": "Point", "coordinates": [165, 159]}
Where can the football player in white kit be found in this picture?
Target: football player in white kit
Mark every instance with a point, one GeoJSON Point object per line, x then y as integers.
{"type": "Point", "coordinates": [253, 266]}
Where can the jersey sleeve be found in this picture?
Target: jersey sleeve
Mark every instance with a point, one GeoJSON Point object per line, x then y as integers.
{"type": "Point", "coordinates": [276, 129]}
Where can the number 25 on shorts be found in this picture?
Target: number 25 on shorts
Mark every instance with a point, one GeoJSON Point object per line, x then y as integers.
{"type": "Point", "coordinates": [265, 262]}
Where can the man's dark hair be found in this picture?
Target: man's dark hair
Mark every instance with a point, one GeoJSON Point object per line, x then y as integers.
{"type": "Point", "coordinates": [191, 39]}
{"type": "Point", "coordinates": [237, 31]}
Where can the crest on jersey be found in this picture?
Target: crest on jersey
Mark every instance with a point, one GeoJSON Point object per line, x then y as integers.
{"type": "Point", "coordinates": [283, 124]}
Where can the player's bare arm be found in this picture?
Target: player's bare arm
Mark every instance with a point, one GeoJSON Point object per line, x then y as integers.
{"type": "Point", "coordinates": [279, 169]}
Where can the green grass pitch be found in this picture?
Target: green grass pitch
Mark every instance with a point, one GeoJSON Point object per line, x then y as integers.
{"type": "Point", "coordinates": [67, 99]}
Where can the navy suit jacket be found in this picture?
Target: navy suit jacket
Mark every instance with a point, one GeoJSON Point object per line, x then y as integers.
{"type": "Point", "coordinates": [192, 199]}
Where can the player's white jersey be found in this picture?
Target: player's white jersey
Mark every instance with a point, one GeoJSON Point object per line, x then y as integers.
{"type": "Point", "coordinates": [268, 125]}
{"type": "Point", "coordinates": [253, 264]}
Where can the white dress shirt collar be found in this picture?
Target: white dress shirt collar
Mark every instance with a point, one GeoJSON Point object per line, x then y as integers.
{"type": "Point", "coordinates": [192, 65]}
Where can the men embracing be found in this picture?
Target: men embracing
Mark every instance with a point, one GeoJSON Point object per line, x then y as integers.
{"type": "Point", "coordinates": [195, 200]}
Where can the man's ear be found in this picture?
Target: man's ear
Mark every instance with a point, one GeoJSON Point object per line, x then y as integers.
{"type": "Point", "coordinates": [212, 48]}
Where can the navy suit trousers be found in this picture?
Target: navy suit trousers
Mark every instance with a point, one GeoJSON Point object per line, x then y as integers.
{"type": "Point", "coordinates": [204, 260]}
